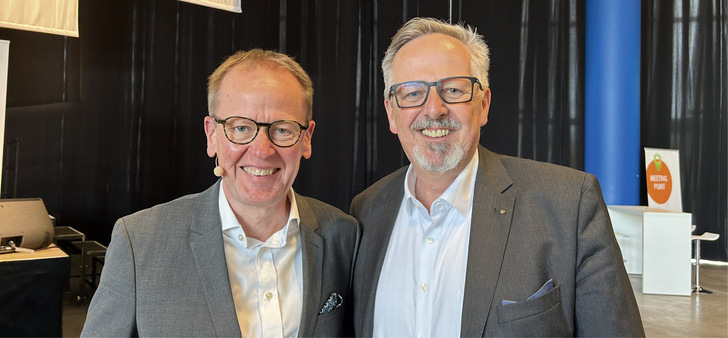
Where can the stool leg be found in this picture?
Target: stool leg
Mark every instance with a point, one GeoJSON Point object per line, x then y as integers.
{"type": "Point", "coordinates": [697, 288]}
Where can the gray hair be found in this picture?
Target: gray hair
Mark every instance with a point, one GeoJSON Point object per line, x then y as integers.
{"type": "Point", "coordinates": [417, 27]}
{"type": "Point", "coordinates": [259, 57]}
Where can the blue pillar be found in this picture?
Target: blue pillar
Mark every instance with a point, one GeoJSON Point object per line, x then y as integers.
{"type": "Point", "coordinates": [612, 98]}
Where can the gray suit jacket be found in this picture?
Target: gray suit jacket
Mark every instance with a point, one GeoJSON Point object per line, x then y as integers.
{"type": "Point", "coordinates": [531, 222]}
{"type": "Point", "coordinates": [166, 275]}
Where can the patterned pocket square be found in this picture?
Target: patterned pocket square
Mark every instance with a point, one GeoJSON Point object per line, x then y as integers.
{"type": "Point", "coordinates": [334, 301]}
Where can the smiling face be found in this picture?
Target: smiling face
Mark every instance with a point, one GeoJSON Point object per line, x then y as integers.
{"type": "Point", "coordinates": [259, 173]}
{"type": "Point", "coordinates": [437, 136]}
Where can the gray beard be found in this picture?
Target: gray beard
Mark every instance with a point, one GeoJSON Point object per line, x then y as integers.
{"type": "Point", "coordinates": [453, 155]}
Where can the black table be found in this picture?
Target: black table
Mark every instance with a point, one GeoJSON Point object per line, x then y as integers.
{"type": "Point", "coordinates": [31, 292]}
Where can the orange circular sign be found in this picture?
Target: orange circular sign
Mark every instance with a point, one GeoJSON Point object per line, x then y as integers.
{"type": "Point", "coordinates": [659, 181]}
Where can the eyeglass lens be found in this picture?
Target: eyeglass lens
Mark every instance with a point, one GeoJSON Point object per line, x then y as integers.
{"type": "Point", "coordinates": [281, 133]}
{"type": "Point", "coordinates": [452, 90]}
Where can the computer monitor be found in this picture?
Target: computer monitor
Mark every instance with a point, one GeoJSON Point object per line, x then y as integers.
{"type": "Point", "coordinates": [25, 222]}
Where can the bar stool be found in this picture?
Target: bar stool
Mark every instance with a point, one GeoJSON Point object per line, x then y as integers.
{"type": "Point", "coordinates": [89, 250]}
{"type": "Point", "coordinates": [706, 236]}
{"type": "Point", "coordinates": [63, 237]}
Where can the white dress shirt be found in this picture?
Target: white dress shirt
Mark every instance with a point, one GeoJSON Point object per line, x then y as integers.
{"type": "Point", "coordinates": [266, 277]}
{"type": "Point", "coordinates": [422, 282]}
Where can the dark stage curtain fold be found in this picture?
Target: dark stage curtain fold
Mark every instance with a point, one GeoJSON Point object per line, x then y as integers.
{"type": "Point", "coordinates": [685, 103]}
{"type": "Point", "coordinates": [111, 122]}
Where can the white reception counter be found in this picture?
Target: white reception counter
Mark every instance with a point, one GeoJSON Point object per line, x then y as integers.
{"type": "Point", "coordinates": [655, 243]}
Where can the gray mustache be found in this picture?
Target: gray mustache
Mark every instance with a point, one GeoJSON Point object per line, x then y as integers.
{"type": "Point", "coordinates": [444, 122]}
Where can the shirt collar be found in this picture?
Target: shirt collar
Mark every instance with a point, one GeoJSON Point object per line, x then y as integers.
{"type": "Point", "coordinates": [459, 194]}
{"type": "Point", "coordinates": [277, 240]}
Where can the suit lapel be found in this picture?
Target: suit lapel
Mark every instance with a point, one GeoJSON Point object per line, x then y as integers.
{"type": "Point", "coordinates": [377, 223]}
{"type": "Point", "coordinates": [312, 263]}
{"type": "Point", "coordinates": [490, 227]}
{"type": "Point", "coordinates": [208, 251]}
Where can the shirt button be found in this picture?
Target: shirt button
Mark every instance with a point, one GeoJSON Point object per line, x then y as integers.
{"type": "Point", "coordinates": [268, 295]}
{"type": "Point", "coordinates": [430, 240]}
{"type": "Point", "coordinates": [425, 287]}
{"type": "Point", "coordinates": [241, 238]}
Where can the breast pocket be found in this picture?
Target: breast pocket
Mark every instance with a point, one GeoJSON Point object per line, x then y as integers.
{"type": "Point", "coordinates": [541, 316]}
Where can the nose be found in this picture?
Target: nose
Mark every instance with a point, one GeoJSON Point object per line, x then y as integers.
{"type": "Point", "coordinates": [434, 107]}
{"type": "Point", "coordinates": [262, 146]}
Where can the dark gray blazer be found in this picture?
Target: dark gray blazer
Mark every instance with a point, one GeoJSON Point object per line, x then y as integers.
{"type": "Point", "coordinates": [166, 274]}
{"type": "Point", "coordinates": [531, 222]}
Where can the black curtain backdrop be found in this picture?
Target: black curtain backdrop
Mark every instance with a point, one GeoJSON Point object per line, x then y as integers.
{"type": "Point", "coordinates": [685, 103]}
{"type": "Point", "coordinates": [111, 122]}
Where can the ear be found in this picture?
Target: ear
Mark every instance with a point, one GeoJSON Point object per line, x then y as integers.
{"type": "Point", "coordinates": [306, 139]}
{"type": "Point", "coordinates": [485, 107]}
{"type": "Point", "coordinates": [210, 129]}
{"type": "Point", "coordinates": [390, 115]}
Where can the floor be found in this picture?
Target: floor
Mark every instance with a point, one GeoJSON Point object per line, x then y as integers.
{"type": "Point", "coordinates": [74, 314]}
{"type": "Point", "coordinates": [699, 315]}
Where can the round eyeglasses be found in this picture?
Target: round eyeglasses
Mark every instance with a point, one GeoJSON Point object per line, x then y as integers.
{"type": "Point", "coordinates": [458, 89]}
{"type": "Point", "coordinates": [242, 130]}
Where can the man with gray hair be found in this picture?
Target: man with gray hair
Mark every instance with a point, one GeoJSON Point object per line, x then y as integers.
{"type": "Point", "coordinates": [249, 256]}
{"type": "Point", "coordinates": [466, 242]}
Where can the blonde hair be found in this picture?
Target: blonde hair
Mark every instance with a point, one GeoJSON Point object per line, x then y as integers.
{"type": "Point", "coordinates": [259, 57]}
{"type": "Point", "coordinates": [417, 27]}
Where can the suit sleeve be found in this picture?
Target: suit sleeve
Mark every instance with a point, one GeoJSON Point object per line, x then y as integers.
{"type": "Point", "coordinates": [112, 310]}
{"type": "Point", "coordinates": [605, 303]}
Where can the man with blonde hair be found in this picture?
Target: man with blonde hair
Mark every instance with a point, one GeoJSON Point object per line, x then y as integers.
{"type": "Point", "coordinates": [248, 256]}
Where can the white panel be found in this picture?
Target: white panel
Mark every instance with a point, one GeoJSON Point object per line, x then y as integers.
{"type": "Point", "coordinates": [655, 243]}
{"type": "Point", "coordinates": [45, 16]}
{"type": "Point", "coordinates": [228, 5]}
{"type": "Point", "coordinates": [4, 56]}
{"type": "Point", "coordinates": [666, 266]}
{"type": "Point", "coordinates": [627, 224]}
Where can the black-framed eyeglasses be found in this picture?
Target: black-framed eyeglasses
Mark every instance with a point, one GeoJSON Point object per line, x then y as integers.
{"type": "Point", "coordinates": [458, 89]}
{"type": "Point", "coordinates": [242, 130]}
